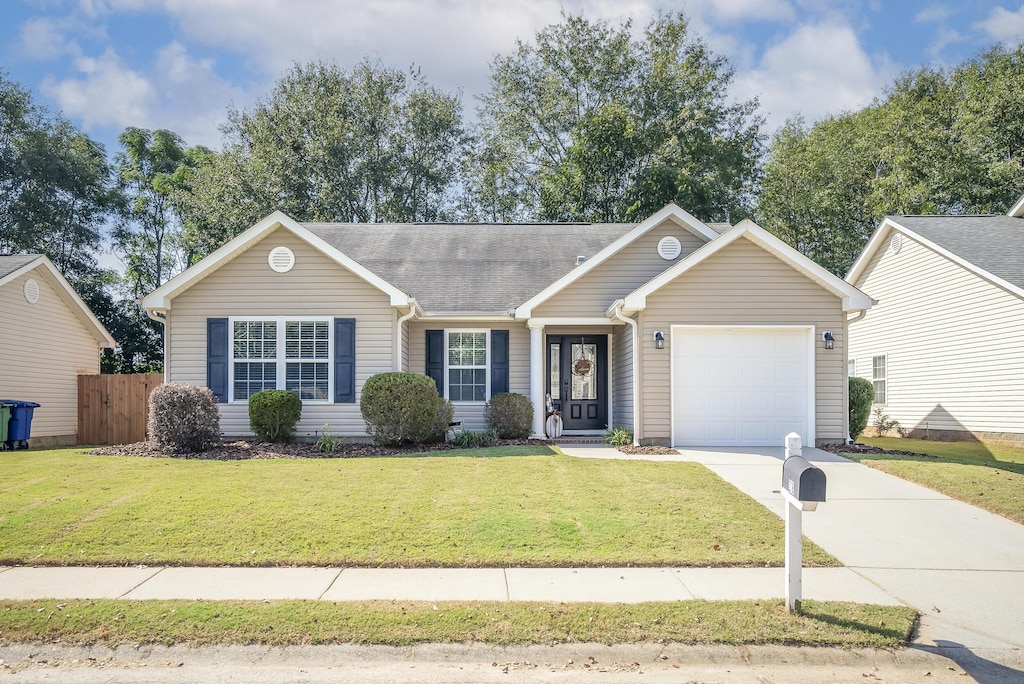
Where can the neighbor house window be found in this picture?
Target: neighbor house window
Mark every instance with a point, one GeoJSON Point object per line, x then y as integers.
{"type": "Point", "coordinates": [878, 378]}
{"type": "Point", "coordinates": [467, 365]}
{"type": "Point", "coordinates": [851, 367]}
{"type": "Point", "coordinates": [281, 353]}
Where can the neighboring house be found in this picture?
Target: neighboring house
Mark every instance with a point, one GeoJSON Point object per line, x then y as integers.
{"type": "Point", "coordinates": [570, 310]}
{"type": "Point", "coordinates": [943, 344]}
{"type": "Point", "coordinates": [48, 337]}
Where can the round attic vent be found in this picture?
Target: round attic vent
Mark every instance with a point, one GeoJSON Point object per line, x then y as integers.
{"type": "Point", "coordinates": [281, 259]}
{"type": "Point", "coordinates": [31, 291]}
{"type": "Point", "coordinates": [669, 248]}
{"type": "Point", "coordinates": [896, 243]}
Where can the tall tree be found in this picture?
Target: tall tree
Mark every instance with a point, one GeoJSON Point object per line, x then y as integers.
{"type": "Point", "coordinates": [365, 144]}
{"type": "Point", "coordinates": [587, 123]}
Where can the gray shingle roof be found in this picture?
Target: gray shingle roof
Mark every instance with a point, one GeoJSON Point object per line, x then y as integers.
{"type": "Point", "coordinates": [994, 243]}
{"type": "Point", "coordinates": [9, 263]}
{"type": "Point", "coordinates": [469, 268]}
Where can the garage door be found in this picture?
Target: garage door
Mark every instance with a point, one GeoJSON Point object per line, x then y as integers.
{"type": "Point", "coordinates": [740, 386]}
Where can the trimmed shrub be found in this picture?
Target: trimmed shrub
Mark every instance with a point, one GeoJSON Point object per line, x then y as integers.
{"type": "Point", "coordinates": [401, 408]}
{"type": "Point", "coordinates": [273, 414]}
{"type": "Point", "coordinates": [510, 415]}
{"type": "Point", "coordinates": [862, 393]}
{"type": "Point", "coordinates": [183, 418]}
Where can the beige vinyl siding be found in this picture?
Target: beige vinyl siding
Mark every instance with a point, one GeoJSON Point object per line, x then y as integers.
{"type": "Point", "coordinates": [743, 285]}
{"type": "Point", "coordinates": [952, 342]}
{"type": "Point", "coordinates": [622, 273]}
{"type": "Point", "coordinates": [472, 414]}
{"type": "Point", "coordinates": [316, 286]}
{"type": "Point", "coordinates": [622, 376]}
{"type": "Point", "coordinates": [44, 347]}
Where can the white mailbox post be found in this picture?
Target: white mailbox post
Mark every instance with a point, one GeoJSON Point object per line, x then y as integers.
{"type": "Point", "coordinates": [803, 486]}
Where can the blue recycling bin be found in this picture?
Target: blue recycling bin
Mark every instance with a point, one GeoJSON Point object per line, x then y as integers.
{"type": "Point", "coordinates": [19, 428]}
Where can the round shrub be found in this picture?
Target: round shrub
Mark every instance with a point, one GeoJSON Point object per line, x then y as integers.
{"type": "Point", "coordinates": [183, 418]}
{"type": "Point", "coordinates": [510, 415]}
{"type": "Point", "coordinates": [862, 394]}
{"type": "Point", "coordinates": [273, 414]}
{"type": "Point", "coordinates": [401, 408]}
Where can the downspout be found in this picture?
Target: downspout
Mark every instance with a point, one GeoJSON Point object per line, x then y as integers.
{"type": "Point", "coordinates": [617, 312]}
{"type": "Point", "coordinates": [398, 334]}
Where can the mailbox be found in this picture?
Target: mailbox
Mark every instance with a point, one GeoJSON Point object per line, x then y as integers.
{"type": "Point", "coordinates": [803, 481]}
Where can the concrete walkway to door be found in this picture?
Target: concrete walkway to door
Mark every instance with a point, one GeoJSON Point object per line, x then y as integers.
{"type": "Point", "coordinates": [961, 567]}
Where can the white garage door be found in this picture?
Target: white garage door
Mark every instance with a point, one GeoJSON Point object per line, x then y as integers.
{"type": "Point", "coordinates": [740, 386]}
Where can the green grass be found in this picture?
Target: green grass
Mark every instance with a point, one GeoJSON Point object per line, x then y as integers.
{"type": "Point", "coordinates": [199, 623]}
{"type": "Point", "coordinates": [70, 508]}
{"type": "Point", "coordinates": [989, 476]}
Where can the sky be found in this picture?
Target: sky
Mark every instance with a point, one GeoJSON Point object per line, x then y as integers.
{"type": "Point", "coordinates": [180, 64]}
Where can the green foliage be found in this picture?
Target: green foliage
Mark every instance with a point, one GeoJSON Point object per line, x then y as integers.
{"type": "Point", "coordinates": [468, 439]}
{"type": "Point", "coordinates": [589, 123]}
{"type": "Point", "coordinates": [619, 437]}
{"type": "Point", "coordinates": [445, 416]}
{"type": "Point", "coordinates": [401, 408]}
{"type": "Point", "coordinates": [510, 415]}
{"type": "Point", "coordinates": [327, 442]}
{"type": "Point", "coordinates": [183, 418]}
{"type": "Point", "coordinates": [862, 394]}
{"type": "Point", "coordinates": [883, 423]}
{"type": "Point", "coordinates": [273, 414]}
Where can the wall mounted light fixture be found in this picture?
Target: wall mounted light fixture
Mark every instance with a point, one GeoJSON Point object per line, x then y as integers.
{"type": "Point", "coordinates": [830, 342]}
{"type": "Point", "coordinates": [659, 339]}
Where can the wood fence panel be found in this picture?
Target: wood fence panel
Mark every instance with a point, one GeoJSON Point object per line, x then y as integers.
{"type": "Point", "coordinates": [114, 409]}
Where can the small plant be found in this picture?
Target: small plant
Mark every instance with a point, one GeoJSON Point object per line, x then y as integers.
{"type": "Point", "coordinates": [326, 442]}
{"type": "Point", "coordinates": [183, 418]}
{"type": "Point", "coordinates": [883, 423]}
{"type": "Point", "coordinates": [401, 408]}
{"type": "Point", "coordinates": [619, 437]}
{"type": "Point", "coordinates": [510, 415]}
{"type": "Point", "coordinates": [273, 414]}
{"type": "Point", "coordinates": [476, 440]}
{"type": "Point", "coordinates": [862, 393]}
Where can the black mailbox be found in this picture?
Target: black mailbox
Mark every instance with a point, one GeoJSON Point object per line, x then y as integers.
{"type": "Point", "coordinates": [805, 482]}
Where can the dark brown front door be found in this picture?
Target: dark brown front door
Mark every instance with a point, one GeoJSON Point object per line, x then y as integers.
{"type": "Point", "coordinates": [578, 380]}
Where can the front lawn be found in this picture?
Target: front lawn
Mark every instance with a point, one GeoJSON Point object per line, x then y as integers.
{"type": "Point", "coordinates": [68, 507]}
{"type": "Point", "coordinates": [989, 476]}
{"type": "Point", "coordinates": [282, 623]}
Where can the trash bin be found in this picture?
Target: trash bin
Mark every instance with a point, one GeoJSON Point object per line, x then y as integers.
{"type": "Point", "coordinates": [5, 416]}
{"type": "Point", "coordinates": [19, 427]}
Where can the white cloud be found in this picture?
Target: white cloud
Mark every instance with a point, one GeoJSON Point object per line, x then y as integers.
{"type": "Point", "coordinates": [816, 71]}
{"type": "Point", "coordinates": [933, 14]}
{"type": "Point", "coordinates": [1003, 25]}
{"type": "Point", "coordinates": [107, 93]}
{"type": "Point", "coordinates": [44, 38]}
{"type": "Point", "coordinates": [741, 10]}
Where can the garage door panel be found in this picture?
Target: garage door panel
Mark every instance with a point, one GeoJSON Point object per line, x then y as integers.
{"type": "Point", "coordinates": [739, 386]}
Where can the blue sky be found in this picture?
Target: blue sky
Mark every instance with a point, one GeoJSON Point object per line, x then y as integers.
{"type": "Point", "coordinates": [179, 64]}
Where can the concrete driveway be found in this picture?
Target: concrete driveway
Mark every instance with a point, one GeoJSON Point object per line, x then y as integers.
{"type": "Point", "coordinates": [960, 566]}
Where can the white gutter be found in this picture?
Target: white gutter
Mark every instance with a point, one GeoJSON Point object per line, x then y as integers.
{"type": "Point", "coordinates": [861, 313]}
{"type": "Point", "coordinates": [398, 334]}
{"type": "Point", "coordinates": [617, 313]}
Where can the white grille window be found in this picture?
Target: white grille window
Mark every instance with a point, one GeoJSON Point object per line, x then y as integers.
{"type": "Point", "coordinates": [878, 378]}
{"type": "Point", "coordinates": [851, 367]}
{"type": "Point", "coordinates": [307, 369]}
{"type": "Point", "coordinates": [467, 366]}
{"type": "Point", "coordinates": [279, 353]}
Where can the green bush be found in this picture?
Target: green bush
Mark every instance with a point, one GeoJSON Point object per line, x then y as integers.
{"type": "Point", "coordinates": [183, 418]}
{"type": "Point", "coordinates": [510, 415]}
{"type": "Point", "coordinates": [445, 416]}
{"type": "Point", "coordinates": [475, 440]}
{"type": "Point", "coordinates": [862, 394]}
{"type": "Point", "coordinates": [401, 408]}
{"type": "Point", "coordinates": [273, 414]}
{"type": "Point", "coordinates": [618, 437]}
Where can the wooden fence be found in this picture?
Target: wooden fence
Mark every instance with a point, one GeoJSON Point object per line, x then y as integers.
{"type": "Point", "coordinates": [113, 409]}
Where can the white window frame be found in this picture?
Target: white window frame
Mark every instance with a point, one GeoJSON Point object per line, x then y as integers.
{"type": "Point", "coordinates": [884, 379]}
{"type": "Point", "coordinates": [486, 366]}
{"type": "Point", "coordinates": [851, 368]}
{"type": "Point", "coordinates": [280, 361]}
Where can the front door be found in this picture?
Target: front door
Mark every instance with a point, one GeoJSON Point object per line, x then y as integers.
{"type": "Point", "coordinates": [578, 380]}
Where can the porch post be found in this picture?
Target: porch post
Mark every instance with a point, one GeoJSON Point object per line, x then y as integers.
{"type": "Point", "coordinates": [537, 378]}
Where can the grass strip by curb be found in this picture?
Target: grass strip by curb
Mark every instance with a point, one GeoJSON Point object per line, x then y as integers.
{"type": "Point", "coordinates": [402, 623]}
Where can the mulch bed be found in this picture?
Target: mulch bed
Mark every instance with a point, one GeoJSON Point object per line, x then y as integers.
{"type": "Point", "coordinates": [866, 449]}
{"type": "Point", "coordinates": [242, 450]}
{"type": "Point", "coordinates": [647, 450]}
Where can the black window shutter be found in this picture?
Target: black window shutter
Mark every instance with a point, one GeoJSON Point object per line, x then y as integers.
{"type": "Point", "coordinates": [217, 357]}
{"type": "Point", "coordinates": [344, 360]}
{"type": "Point", "coordinates": [499, 361]}
{"type": "Point", "coordinates": [435, 358]}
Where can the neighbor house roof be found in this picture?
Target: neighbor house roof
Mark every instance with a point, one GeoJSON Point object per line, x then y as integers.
{"type": "Point", "coordinates": [991, 245]}
{"type": "Point", "coordinates": [15, 265]}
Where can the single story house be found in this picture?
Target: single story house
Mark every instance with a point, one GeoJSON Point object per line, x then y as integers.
{"type": "Point", "coordinates": [48, 337]}
{"type": "Point", "coordinates": [943, 345]}
{"type": "Point", "coordinates": [688, 333]}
